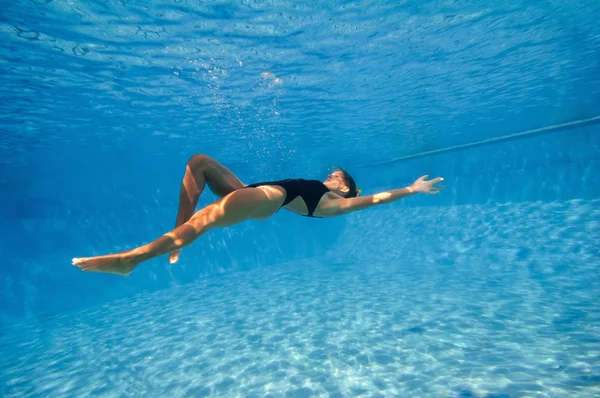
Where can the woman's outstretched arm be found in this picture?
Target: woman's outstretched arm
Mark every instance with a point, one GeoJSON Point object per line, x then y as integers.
{"type": "Point", "coordinates": [348, 205]}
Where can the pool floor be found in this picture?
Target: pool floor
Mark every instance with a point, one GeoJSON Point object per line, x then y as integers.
{"type": "Point", "coordinates": [373, 329]}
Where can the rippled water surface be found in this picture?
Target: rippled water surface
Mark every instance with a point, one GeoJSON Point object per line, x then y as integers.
{"type": "Point", "coordinates": [286, 82]}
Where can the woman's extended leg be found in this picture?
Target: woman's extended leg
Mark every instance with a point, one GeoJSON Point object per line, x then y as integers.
{"type": "Point", "coordinates": [241, 205]}
{"type": "Point", "coordinates": [202, 170]}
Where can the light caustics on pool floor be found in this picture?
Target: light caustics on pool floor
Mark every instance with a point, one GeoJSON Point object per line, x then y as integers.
{"type": "Point", "coordinates": [495, 318]}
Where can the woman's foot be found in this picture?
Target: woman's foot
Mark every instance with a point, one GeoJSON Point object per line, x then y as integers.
{"type": "Point", "coordinates": [119, 264]}
{"type": "Point", "coordinates": [174, 256]}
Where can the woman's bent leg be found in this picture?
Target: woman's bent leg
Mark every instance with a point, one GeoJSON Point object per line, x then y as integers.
{"type": "Point", "coordinates": [201, 170]}
{"type": "Point", "coordinates": [236, 207]}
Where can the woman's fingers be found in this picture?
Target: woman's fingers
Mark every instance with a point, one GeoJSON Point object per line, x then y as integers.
{"type": "Point", "coordinates": [436, 189]}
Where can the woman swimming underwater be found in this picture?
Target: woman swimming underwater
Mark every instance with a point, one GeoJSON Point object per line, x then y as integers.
{"type": "Point", "coordinates": [336, 196]}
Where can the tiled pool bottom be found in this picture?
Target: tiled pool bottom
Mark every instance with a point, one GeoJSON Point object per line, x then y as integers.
{"type": "Point", "coordinates": [310, 329]}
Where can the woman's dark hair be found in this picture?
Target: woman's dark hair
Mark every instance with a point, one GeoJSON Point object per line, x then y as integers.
{"type": "Point", "coordinates": [349, 181]}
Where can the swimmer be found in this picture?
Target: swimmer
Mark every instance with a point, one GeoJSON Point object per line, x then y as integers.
{"type": "Point", "coordinates": [336, 196]}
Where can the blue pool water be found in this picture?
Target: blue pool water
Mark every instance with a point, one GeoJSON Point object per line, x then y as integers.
{"type": "Point", "coordinates": [490, 289]}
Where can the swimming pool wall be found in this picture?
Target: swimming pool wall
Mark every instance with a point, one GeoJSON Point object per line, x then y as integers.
{"type": "Point", "coordinates": [533, 171]}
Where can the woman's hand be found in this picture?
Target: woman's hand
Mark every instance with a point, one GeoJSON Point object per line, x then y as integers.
{"type": "Point", "coordinates": [422, 186]}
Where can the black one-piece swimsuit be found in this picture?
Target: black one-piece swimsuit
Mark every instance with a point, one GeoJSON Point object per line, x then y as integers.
{"type": "Point", "coordinates": [311, 191]}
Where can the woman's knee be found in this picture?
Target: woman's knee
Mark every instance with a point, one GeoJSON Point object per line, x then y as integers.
{"type": "Point", "coordinates": [200, 164]}
{"type": "Point", "coordinates": [199, 160]}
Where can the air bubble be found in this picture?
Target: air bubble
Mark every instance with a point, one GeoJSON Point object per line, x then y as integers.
{"type": "Point", "coordinates": [79, 51]}
{"type": "Point", "coordinates": [29, 35]}
{"type": "Point", "coordinates": [151, 35]}
{"type": "Point", "coordinates": [45, 37]}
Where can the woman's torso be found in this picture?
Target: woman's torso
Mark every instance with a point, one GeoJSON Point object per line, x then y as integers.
{"type": "Point", "coordinates": [304, 197]}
